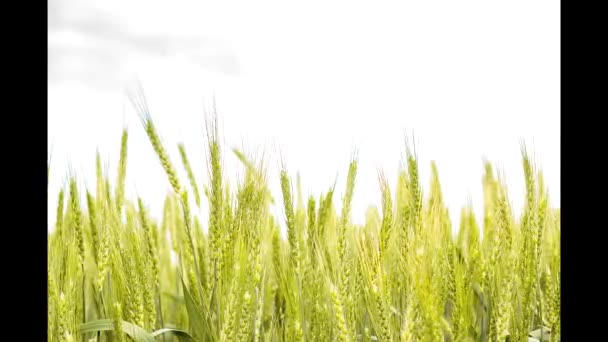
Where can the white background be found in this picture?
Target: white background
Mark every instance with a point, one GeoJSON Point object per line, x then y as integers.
{"type": "Point", "coordinates": [311, 81]}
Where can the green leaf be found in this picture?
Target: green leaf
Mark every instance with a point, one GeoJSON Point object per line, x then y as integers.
{"type": "Point", "coordinates": [182, 335]}
{"type": "Point", "coordinates": [198, 323]}
{"type": "Point", "coordinates": [137, 333]}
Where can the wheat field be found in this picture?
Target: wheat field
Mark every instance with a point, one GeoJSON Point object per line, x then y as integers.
{"type": "Point", "coordinates": [117, 274]}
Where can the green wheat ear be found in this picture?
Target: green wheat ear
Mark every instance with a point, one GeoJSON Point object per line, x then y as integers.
{"type": "Point", "coordinates": [77, 219]}
{"type": "Point", "coordinates": [346, 206]}
{"type": "Point", "coordinates": [216, 192]}
{"type": "Point", "coordinates": [117, 321]}
{"type": "Point", "coordinates": [93, 225]}
{"type": "Point", "coordinates": [137, 98]}
{"type": "Point", "coordinates": [59, 215]}
{"type": "Point", "coordinates": [290, 220]}
{"type": "Point", "coordinates": [122, 171]}
{"type": "Point", "coordinates": [186, 163]}
{"type": "Point", "coordinates": [387, 213]}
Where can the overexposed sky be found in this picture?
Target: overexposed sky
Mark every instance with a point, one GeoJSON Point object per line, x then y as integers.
{"type": "Point", "coordinates": [313, 81]}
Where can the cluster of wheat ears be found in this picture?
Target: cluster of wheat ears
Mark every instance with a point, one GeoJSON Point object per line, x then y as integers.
{"type": "Point", "coordinates": [399, 277]}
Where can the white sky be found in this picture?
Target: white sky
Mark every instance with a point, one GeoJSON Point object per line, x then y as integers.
{"type": "Point", "coordinates": [313, 80]}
